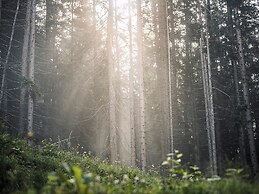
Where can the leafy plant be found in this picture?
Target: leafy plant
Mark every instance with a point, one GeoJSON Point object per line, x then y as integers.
{"type": "Point", "coordinates": [70, 181]}
{"type": "Point", "coordinates": [235, 173]}
{"type": "Point", "coordinates": [176, 169]}
{"type": "Point", "coordinates": [25, 169]}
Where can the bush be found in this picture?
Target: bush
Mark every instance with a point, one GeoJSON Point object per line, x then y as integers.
{"type": "Point", "coordinates": [29, 169]}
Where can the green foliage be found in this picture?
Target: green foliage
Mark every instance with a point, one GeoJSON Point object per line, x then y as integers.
{"type": "Point", "coordinates": [47, 170]}
{"type": "Point", "coordinates": [72, 181]}
{"type": "Point", "coordinates": [177, 171]}
{"type": "Point", "coordinates": [236, 173]}
{"type": "Point", "coordinates": [22, 166]}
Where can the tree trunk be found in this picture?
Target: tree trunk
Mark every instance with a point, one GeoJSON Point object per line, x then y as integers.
{"type": "Point", "coordinates": [141, 85]}
{"type": "Point", "coordinates": [164, 79]}
{"type": "Point", "coordinates": [31, 62]}
{"type": "Point", "coordinates": [0, 11]}
{"type": "Point", "coordinates": [2, 89]}
{"type": "Point", "coordinates": [173, 74]}
{"type": "Point", "coordinates": [24, 67]}
{"type": "Point", "coordinates": [206, 98]}
{"type": "Point", "coordinates": [248, 116]}
{"type": "Point", "coordinates": [210, 104]}
{"type": "Point", "coordinates": [72, 32]}
{"type": "Point", "coordinates": [240, 128]}
{"type": "Point", "coordinates": [208, 95]}
{"type": "Point", "coordinates": [131, 91]}
{"type": "Point", "coordinates": [113, 131]}
{"type": "Point", "coordinates": [188, 81]}
{"type": "Point", "coordinates": [0, 27]}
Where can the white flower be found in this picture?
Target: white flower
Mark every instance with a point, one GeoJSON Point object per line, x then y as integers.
{"type": "Point", "coordinates": [125, 177]}
{"type": "Point", "coordinates": [98, 178]}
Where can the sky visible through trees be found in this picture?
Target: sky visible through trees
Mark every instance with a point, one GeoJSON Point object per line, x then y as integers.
{"type": "Point", "coordinates": [133, 81]}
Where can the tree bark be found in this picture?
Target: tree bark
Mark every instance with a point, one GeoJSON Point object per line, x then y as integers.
{"type": "Point", "coordinates": [113, 131]}
{"type": "Point", "coordinates": [0, 11]}
{"type": "Point", "coordinates": [233, 61]}
{"type": "Point", "coordinates": [188, 80]}
{"type": "Point", "coordinates": [72, 32]}
{"type": "Point", "coordinates": [131, 91]}
{"type": "Point", "coordinates": [248, 116]}
{"type": "Point", "coordinates": [141, 85]}
{"type": "Point", "coordinates": [164, 79]}
{"type": "Point", "coordinates": [2, 89]}
{"type": "Point", "coordinates": [206, 98]}
{"type": "Point", "coordinates": [208, 94]}
{"type": "Point", "coordinates": [31, 62]}
{"type": "Point", "coordinates": [24, 67]}
{"type": "Point", "coordinates": [173, 73]}
{"type": "Point", "coordinates": [210, 104]}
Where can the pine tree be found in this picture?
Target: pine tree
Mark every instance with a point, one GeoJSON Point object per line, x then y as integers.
{"type": "Point", "coordinates": [31, 63]}
{"type": "Point", "coordinates": [141, 86]}
{"type": "Point", "coordinates": [24, 68]}
{"type": "Point", "coordinates": [248, 116]}
{"type": "Point", "coordinates": [113, 132]}
{"type": "Point", "coordinates": [131, 91]}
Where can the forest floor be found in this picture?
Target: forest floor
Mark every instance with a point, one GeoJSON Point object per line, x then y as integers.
{"type": "Point", "coordinates": [26, 168]}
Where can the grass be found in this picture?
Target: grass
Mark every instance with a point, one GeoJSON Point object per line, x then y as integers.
{"type": "Point", "coordinates": [29, 169]}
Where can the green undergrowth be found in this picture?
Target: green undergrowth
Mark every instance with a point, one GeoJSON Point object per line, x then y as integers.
{"type": "Point", "coordinates": [29, 169]}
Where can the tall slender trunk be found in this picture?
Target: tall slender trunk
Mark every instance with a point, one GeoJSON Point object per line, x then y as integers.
{"type": "Point", "coordinates": [242, 146]}
{"type": "Point", "coordinates": [72, 32]}
{"type": "Point", "coordinates": [95, 44]}
{"type": "Point", "coordinates": [95, 31]}
{"type": "Point", "coordinates": [205, 88]}
{"type": "Point", "coordinates": [169, 84]}
{"type": "Point", "coordinates": [31, 62]}
{"type": "Point", "coordinates": [0, 11]}
{"type": "Point", "coordinates": [208, 94]}
{"type": "Point", "coordinates": [195, 131]}
{"type": "Point", "coordinates": [173, 64]}
{"type": "Point", "coordinates": [188, 82]}
{"type": "Point", "coordinates": [113, 131]}
{"type": "Point", "coordinates": [3, 83]}
{"type": "Point", "coordinates": [210, 104]}
{"type": "Point", "coordinates": [248, 116]}
{"type": "Point", "coordinates": [164, 79]}
{"type": "Point", "coordinates": [117, 35]}
{"type": "Point", "coordinates": [131, 91]}
{"type": "Point", "coordinates": [24, 67]}
{"type": "Point", "coordinates": [120, 125]}
{"type": "Point", "coordinates": [51, 31]}
{"type": "Point", "coordinates": [157, 129]}
{"type": "Point", "coordinates": [141, 85]}
{"type": "Point", "coordinates": [0, 31]}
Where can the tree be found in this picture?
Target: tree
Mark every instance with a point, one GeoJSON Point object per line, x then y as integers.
{"type": "Point", "coordinates": [208, 94]}
{"type": "Point", "coordinates": [248, 117]}
{"type": "Point", "coordinates": [24, 67]}
{"type": "Point", "coordinates": [31, 62]}
{"type": "Point", "coordinates": [131, 91]}
{"type": "Point", "coordinates": [173, 73]}
{"type": "Point", "coordinates": [27, 70]}
{"type": "Point", "coordinates": [3, 83]}
{"type": "Point", "coordinates": [233, 61]}
{"type": "Point", "coordinates": [141, 86]}
{"type": "Point", "coordinates": [163, 78]}
{"type": "Point", "coordinates": [0, 10]}
{"type": "Point", "coordinates": [113, 132]}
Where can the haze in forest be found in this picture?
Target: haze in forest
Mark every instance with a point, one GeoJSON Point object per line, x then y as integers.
{"type": "Point", "coordinates": [134, 81]}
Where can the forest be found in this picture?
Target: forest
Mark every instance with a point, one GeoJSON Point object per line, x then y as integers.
{"type": "Point", "coordinates": [166, 90]}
